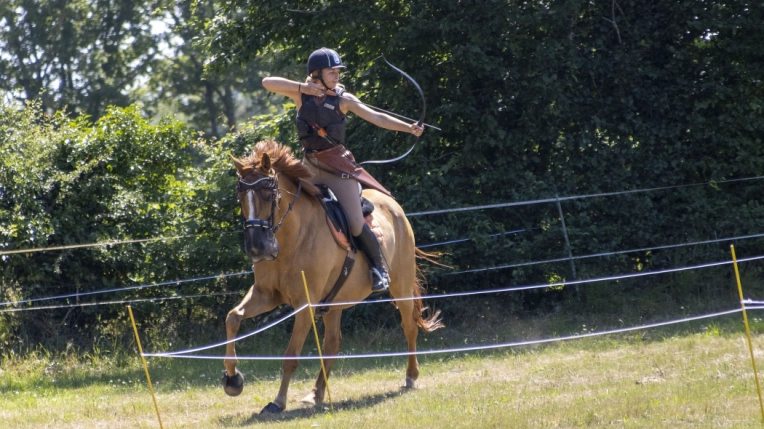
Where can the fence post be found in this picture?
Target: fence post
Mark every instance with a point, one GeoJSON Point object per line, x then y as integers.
{"type": "Point", "coordinates": [747, 330]}
{"type": "Point", "coordinates": [567, 241]}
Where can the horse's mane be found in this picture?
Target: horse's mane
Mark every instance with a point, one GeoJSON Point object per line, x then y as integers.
{"type": "Point", "coordinates": [282, 161]}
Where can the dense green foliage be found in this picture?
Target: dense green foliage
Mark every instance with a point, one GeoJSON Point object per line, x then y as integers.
{"type": "Point", "coordinates": [65, 183]}
{"type": "Point", "coordinates": [536, 100]}
{"type": "Point", "coordinates": [539, 99]}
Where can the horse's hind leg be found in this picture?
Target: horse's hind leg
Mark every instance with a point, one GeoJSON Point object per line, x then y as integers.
{"type": "Point", "coordinates": [331, 347]}
{"type": "Point", "coordinates": [411, 330]}
{"type": "Point", "coordinates": [255, 302]}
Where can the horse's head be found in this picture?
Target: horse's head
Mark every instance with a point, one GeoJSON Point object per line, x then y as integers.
{"type": "Point", "coordinates": [259, 195]}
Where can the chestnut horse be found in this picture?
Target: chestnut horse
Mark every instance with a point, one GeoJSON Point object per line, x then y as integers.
{"type": "Point", "coordinates": [285, 234]}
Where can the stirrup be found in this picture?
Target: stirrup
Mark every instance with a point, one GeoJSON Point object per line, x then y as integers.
{"type": "Point", "coordinates": [379, 282]}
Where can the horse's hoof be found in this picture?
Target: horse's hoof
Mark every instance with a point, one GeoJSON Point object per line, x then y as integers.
{"type": "Point", "coordinates": [233, 386]}
{"type": "Point", "coordinates": [410, 383]}
{"type": "Point", "coordinates": [272, 408]}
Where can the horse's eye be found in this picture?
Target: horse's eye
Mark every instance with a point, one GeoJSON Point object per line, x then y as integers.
{"type": "Point", "coordinates": [267, 194]}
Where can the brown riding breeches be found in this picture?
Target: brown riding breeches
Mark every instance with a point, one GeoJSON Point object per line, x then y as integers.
{"type": "Point", "coordinates": [347, 191]}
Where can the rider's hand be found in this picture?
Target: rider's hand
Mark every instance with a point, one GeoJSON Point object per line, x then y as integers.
{"type": "Point", "coordinates": [312, 89]}
{"type": "Point", "coordinates": [416, 130]}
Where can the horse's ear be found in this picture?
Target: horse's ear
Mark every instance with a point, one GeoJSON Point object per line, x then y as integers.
{"type": "Point", "coordinates": [239, 166]}
{"type": "Point", "coordinates": [265, 163]}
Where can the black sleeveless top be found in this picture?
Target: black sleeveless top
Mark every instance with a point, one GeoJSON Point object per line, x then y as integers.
{"type": "Point", "coordinates": [326, 114]}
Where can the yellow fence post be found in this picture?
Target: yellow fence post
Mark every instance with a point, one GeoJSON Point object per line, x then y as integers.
{"type": "Point", "coordinates": [318, 343]}
{"type": "Point", "coordinates": [747, 331]}
{"type": "Point", "coordinates": [145, 365]}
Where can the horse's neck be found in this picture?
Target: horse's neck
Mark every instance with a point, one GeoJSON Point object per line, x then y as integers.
{"type": "Point", "coordinates": [303, 221]}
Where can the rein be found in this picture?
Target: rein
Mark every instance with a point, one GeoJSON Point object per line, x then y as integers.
{"type": "Point", "coordinates": [289, 209]}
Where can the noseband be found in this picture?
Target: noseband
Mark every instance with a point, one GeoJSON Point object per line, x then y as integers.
{"type": "Point", "coordinates": [266, 188]}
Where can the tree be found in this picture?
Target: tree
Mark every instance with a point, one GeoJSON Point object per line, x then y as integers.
{"type": "Point", "coordinates": [82, 55]}
{"type": "Point", "coordinates": [212, 102]}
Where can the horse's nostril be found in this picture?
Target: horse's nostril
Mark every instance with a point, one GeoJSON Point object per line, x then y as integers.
{"type": "Point", "coordinates": [261, 246]}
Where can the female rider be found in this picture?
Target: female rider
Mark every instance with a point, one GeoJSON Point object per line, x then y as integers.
{"type": "Point", "coordinates": [322, 106]}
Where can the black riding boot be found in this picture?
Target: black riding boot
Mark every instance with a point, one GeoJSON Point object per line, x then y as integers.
{"type": "Point", "coordinates": [368, 244]}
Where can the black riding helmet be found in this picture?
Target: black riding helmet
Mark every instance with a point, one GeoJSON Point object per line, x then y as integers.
{"type": "Point", "coordinates": [324, 58]}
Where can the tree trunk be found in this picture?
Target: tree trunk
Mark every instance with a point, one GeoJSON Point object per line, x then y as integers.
{"type": "Point", "coordinates": [230, 112]}
{"type": "Point", "coordinates": [209, 98]}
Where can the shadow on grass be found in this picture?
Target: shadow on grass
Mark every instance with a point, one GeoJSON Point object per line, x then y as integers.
{"type": "Point", "coordinates": [169, 374]}
{"type": "Point", "coordinates": [311, 411]}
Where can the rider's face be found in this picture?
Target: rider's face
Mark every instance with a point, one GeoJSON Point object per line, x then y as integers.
{"type": "Point", "coordinates": [331, 77]}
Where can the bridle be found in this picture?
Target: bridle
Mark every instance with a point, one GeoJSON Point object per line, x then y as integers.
{"type": "Point", "coordinates": [266, 188]}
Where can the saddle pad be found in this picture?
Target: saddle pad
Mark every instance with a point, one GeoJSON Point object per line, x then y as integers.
{"type": "Point", "coordinates": [336, 219]}
{"type": "Point", "coordinates": [340, 237]}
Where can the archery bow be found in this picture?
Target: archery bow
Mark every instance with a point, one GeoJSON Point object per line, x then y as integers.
{"type": "Point", "coordinates": [418, 124]}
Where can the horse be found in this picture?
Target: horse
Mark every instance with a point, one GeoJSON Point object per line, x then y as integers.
{"type": "Point", "coordinates": [300, 242]}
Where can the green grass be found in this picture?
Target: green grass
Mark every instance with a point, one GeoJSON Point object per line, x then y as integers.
{"type": "Point", "coordinates": [696, 375]}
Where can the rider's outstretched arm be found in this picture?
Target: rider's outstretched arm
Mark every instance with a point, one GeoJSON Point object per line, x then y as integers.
{"type": "Point", "coordinates": [379, 119]}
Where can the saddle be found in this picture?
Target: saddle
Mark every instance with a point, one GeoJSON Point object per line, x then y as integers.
{"type": "Point", "coordinates": [338, 221]}
{"type": "Point", "coordinates": [340, 227]}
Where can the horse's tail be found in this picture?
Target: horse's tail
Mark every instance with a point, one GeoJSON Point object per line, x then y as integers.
{"type": "Point", "coordinates": [432, 322]}
{"type": "Point", "coordinates": [431, 257]}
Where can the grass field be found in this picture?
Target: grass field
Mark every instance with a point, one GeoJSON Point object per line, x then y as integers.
{"type": "Point", "coordinates": [696, 375]}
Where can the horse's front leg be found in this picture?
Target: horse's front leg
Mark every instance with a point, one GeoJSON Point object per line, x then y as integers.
{"type": "Point", "coordinates": [254, 303]}
{"type": "Point", "coordinates": [300, 331]}
{"type": "Point", "coordinates": [331, 347]}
